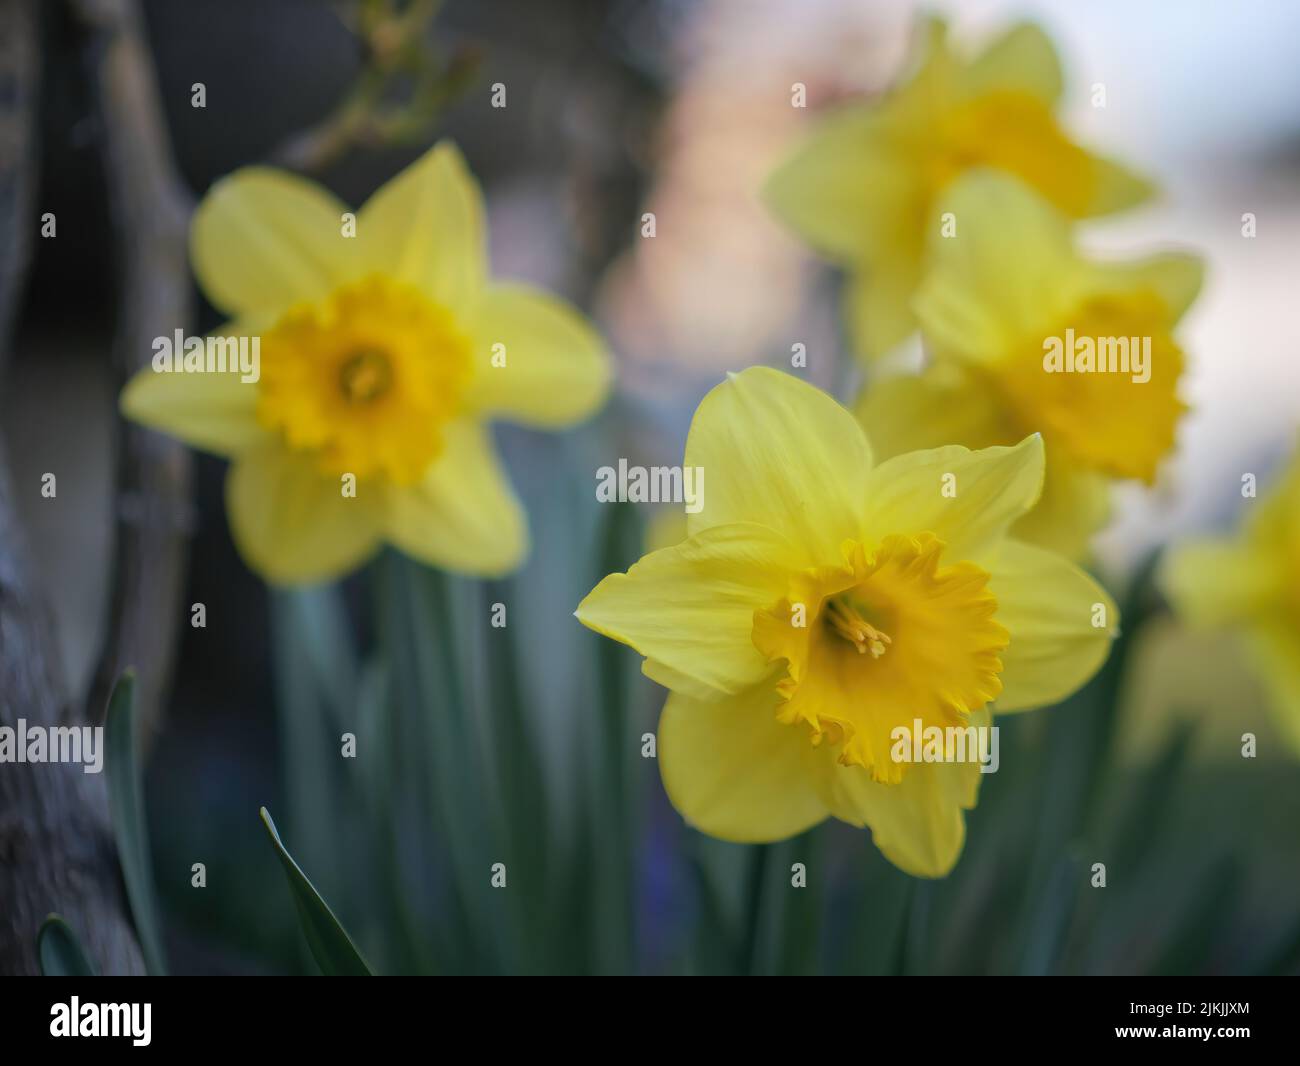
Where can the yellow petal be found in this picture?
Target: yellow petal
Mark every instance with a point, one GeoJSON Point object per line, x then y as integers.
{"type": "Point", "coordinates": [1214, 583]}
{"type": "Point", "coordinates": [1120, 424]}
{"type": "Point", "coordinates": [1006, 274]}
{"type": "Point", "coordinates": [1175, 277]}
{"type": "Point", "coordinates": [463, 515]}
{"type": "Point", "coordinates": [556, 369]}
{"type": "Point", "coordinates": [691, 607]}
{"type": "Point", "coordinates": [263, 240]}
{"type": "Point", "coordinates": [292, 524]}
{"type": "Point", "coordinates": [918, 823]}
{"type": "Point", "coordinates": [781, 453]}
{"type": "Point", "coordinates": [425, 227]}
{"type": "Point", "coordinates": [847, 188]}
{"type": "Point", "coordinates": [987, 491]}
{"type": "Point", "coordinates": [1023, 59]}
{"type": "Point", "coordinates": [733, 771]}
{"type": "Point", "coordinates": [931, 78]}
{"type": "Point", "coordinates": [679, 682]}
{"type": "Point", "coordinates": [852, 192]}
{"type": "Point", "coordinates": [941, 405]}
{"type": "Point", "coordinates": [665, 527]}
{"type": "Point", "coordinates": [1049, 606]}
{"type": "Point", "coordinates": [215, 412]}
{"type": "Point", "coordinates": [1274, 648]}
{"type": "Point", "coordinates": [878, 302]}
{"type": "Point", "coordinates": [1115, 188]}
{"type": "Point", "coordinates": [1075, 504]}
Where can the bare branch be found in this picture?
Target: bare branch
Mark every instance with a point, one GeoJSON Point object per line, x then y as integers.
{"type": "Point", "coordinates": [396, 45]}
{"type": "Point", "coordinates": [56, 847]}
{"type": "Point", "coordinates": [18, 85]}
{"type": "Point", "coordinates": [150, 210]}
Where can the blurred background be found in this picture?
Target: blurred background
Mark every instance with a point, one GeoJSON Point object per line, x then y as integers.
{"type": "Point", "coordinates": [681, 109]}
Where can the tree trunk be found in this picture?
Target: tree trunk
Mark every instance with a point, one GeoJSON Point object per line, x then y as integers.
{"type": "Point", "coordinates": [56, 847]}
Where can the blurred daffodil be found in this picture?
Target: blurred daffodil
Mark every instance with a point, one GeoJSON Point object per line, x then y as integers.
{"type": "Point", "coordinates": [1002, 291]}
{"type": "Point", "coordinates": [385, 348]}
{"type": "Point", "coordinates": [820, 603]}
{"type": "Point", "coordinates": [862, 190]}
{"type": "Point", "coordinates": [1251, 583]}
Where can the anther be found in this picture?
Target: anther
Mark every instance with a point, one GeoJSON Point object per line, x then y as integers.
{"type": "Point", "coordinates": [850, 625]}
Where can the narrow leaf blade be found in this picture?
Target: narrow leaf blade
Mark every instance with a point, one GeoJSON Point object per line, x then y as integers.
{"type": "Point", "coordinates": [330, 944]}
{"type": "Point", "coordinates": [126, 803]}
{"type": "Point", "coordinates": [59, 951]}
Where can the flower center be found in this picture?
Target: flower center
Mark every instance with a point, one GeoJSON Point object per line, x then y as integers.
{"type": "Point", "coordinates": [365, 380]}
{"type": "Point", "coordinates": [1103, 385]}
{"type": "Point", "coordinates": [366, 375]}
{"type": "Point", "coordinates": [1015, 132]}
{"type": "Point", "coordinates": [843, 617]}
{"type": "Point", "coordinates": [886, 639]}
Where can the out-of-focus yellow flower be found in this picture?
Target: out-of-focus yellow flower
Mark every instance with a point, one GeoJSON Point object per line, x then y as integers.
{"type": "Point", "coordinates": [1252, 583]}
{"type": "Point", "coordinates": [382, 356]}
{"type": "Point", "coordinates": [1000, 293]}
{"type": "Point", "coordinates": [820, 602]}
{"type": "Point", "coordinates": [863, 189]}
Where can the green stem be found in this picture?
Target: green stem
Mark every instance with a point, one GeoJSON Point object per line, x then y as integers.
{"type": "Point", "coordinates": [759, 862]}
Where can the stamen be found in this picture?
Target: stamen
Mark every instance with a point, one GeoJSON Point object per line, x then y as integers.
{"type": "Point", "coordinates": [849, 624]}
{"type": "Point", "coordinates": [365, 375]}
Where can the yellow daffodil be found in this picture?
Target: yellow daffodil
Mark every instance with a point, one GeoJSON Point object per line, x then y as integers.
{"type": "Point", "coordinates": [820, 603]}
{"type": "Point", "coordinates": [863, 189]}
{"type": "Point", "coordinates": [1251, 583]}
{"type": "Point", "coordinates": [1007, 292]}
{"type": "Point", "coordinates": [384, 349]}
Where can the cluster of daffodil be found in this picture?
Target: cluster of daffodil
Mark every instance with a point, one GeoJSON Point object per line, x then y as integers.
{"type": "Point", "coordinates": [952, 202]}
{"type": "Point", "coordinates": [824, 600]}
{"type": "Point", "coordinates": [832, 588]}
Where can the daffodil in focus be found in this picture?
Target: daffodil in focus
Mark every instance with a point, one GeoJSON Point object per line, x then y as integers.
{"type": "Point", "coordinates": [821, 602]}
{"type": "Point", "coordinates": [385, 349]}
{"type": "Point", "coordinates": [863, 189]}
{"type": "Point", "coordinates": [1008, 312]}
{"type": "Point", "coordinates": [1251, 583]}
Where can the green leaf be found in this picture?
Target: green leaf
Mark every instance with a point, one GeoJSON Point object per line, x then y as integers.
{"type": "Point", "coordinates": [1200, 929]}
{"type": "Point", "coordinates": [1282, 957]}
{"type": "Point", "coordinates": [520, 814]}
{"type": "Point", "coordinates": [713, 944]}
{"type": "Point", "coordinates": [319, 619]}
{"type": "Point", "coordinates": [1155, 797]}
{"type": "Point", "coordinates": [612, 805]}
{"type": "Point", "coordinates": [330, 944]}
{"type": "Point", "coordinates": [1045, 940]}
{"type": "Point", "coordinates": [314, 779]}
{"type": "Point", "coordinates": [59, 951]}
{"type": "Point", "coordinates": [874, 931]}
{"type": "Point", "coordinates": [440, 757]}
{"type": "Point", "coordinates": [791, 924]}
{"type": "Point", "coordinates": [126, 803]}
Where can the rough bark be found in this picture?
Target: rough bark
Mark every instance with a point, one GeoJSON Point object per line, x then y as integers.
{"type": "Point", "coordinates": [18, 86]}
{"type": "Point", "coordinates": [150, 211]}
{"type": "Point", "coordinates": [56, 847]}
